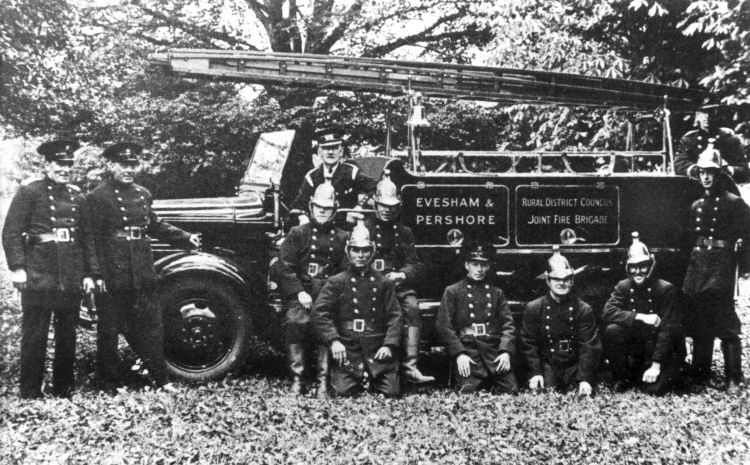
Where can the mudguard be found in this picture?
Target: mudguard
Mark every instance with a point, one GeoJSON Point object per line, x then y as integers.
{"type": "Point", "coordinates": [208, 265]}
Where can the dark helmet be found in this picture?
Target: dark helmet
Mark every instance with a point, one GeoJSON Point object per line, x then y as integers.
{"type": "Point", "coordinates": [479, 251]}
{"type": "Point", "coordinates": [125, 153]}
{"type": "Point", "coordinates": [59, 151]}
{"type": "Point", "coordinates": [328, 137]}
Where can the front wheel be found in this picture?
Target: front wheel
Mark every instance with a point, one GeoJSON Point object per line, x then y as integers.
{"type": "Point", "coordinates": [206, 328]}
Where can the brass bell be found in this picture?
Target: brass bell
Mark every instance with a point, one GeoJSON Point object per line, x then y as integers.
{"type": "Point", "coordinates": [417, 119]}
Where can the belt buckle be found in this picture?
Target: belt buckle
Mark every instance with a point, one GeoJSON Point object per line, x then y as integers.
{"type": "Point", "coordinates": [135, 232]}
{"type": "Point", "coordinates": [480, 329]}
{"type": "Point", "coordinates": [358, 326]}
{"type": "Point", "coordinates": [563, 345]}
{"type": "Point", "coordinates": [378, 264]}
{"type": "Point", "coordinates": [313, 269]}
{"type": "Point", "coordinates": [62, 235]}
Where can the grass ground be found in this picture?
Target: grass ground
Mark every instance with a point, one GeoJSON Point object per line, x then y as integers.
{"type": "Point", "coordinates": [249, 418]}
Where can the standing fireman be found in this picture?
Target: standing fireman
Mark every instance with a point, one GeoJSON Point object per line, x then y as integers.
{"type": "Point", "coordinates": [718, 220]}
{"type": "Point", "coordinates": [123, 224]}
{"type": "Point", "coordinates": [476, 326]}
{"type": "Point", "coordinates": [50, 252]}
{"type": "Point", "coordinates": [309, 254]}
{"type": "Point", "coordinates": [560, 340]}
{"type": "Point", "coordinates": [347, 180]}
{"type": "Point", "coordinates": [396, 258]}
{"type": "Point", "coordinates": [642, 335]}
{"type": "Point", "coordinates": [358, 316]}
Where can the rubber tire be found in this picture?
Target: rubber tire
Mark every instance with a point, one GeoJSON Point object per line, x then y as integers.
{"type": "Point", "coordinates": [177, 290]}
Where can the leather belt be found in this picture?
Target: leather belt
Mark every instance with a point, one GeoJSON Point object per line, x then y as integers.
{"type": "Point", "coordinates": [477, 329]}
{"type": "Point", "coordinates": [131, 233]}
{"type": "Point", "coordinates": [712, 243]}
{"type": "Point", "coordinates": [563, 346]}
{"type": "Point", "coordinates": [57, 235]}
{"type": "Point", "coordinates": [359, 325]}
{"type": "Point", "coordinates": [382, 265]}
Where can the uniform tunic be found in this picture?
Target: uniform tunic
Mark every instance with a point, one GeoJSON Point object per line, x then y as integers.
{"type": "Point", "coordinates": [123, 223]}
{"type": "Point", "coordinates": [395, 251]}
{"type": "Point", "coordinates": [718, 220]}
{"type": "Point", "coordinates": [364, 298]}
{"type": "Point", "coordinates": [466, 306]}
{"type": "Point", "coordinates": [52, 267]}
{"type": "Point", "coordinates": [693, 143]}
{"type": "Point", "coordinates": [655, 296]}
{"type": "Point", "coordinates": [128, 263]}
{"type": "Point", "coordinates": [347, 180]}
{"type": "Point", "coordinates": [47, 233]}
{"type": "Point", "coordinates": [309, 254]}
{"type": "Point", "coordinates": [560, 339]}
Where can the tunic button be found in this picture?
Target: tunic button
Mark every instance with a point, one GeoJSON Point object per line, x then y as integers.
{"type": "Point", "coordinates": [354, 280]}
{"type": "Point", "coordinates": [395, 227]}
{"type": "Point", "coordinates": [143, 198]}
{"type": "Point", "coordinates": [51, 198]}
{"type": "Point", "coordinates": [372, 278]}
{"type": "Point", "coordinates": [698, 229]}
{"type": "Point", "coordinates": [716, 208]}
{"type": "Point", "coordinates": [632, 290]}
{"type": "Point", "coordinates": [315, 238]}
{"type": "Point", "coordinates": [52, 218]}
{"type": "Point", "coordinates": [697, 220]}
{"type": "Point", "coordinates": [49, 188]}
{"type": "Point", "coordinates": [74, 208]}
{"type": "Point", "coordinates": [119, 198]}
{"type": "Point", "coordinates": [122, 209]}
{"type": "Point", "coordinates": [471, 305]}
{"type": "Point", "coordinates": [378, 235]}
{"type": "Point", "coordinates": [486, 286]}
{"type": "Point", "coordinates": [471, 315]}
{"type": "Point", "coordinates": [469, 286]}
{"type": "Point", "coordinates": [488, 296]}
{"type": "Point", "coordinates": [313, 256]}
{"type": "Point", "coordinates": [649, 289]}
{"type": "Point", "coordinates": [468, 295]}
{"type": "Point", "coordinates": [548, 317]}
{"type": "Point", "coordinates": [373, 309]}
{"type": "Point", "coordinates": [315, 229]}
{"type": "Point", "coordinates": [570, 308]}
{"type": "Point", "coordinates": [356, 311]}
{"type": "Point", "coordinates": [330, 249]}
{"type": "Point", "coordinates": [489, 304]}
{"type": "Point", "coordinates": [117, 191]}
{"type": "Point", "coordinates": [699, 210]}
{"type": "Point", "coordinates": [354, 289]}
{"type": "Point", "coordinates": [374, 289]}
{"type": "Point", "coordinates": [314, 247]}
{"type": "Point", "coordinates": [51, 207]}
{"type": "Point", "coordinates": [571, 318]}
{"type": "Point", "coordinates": [716, 199]}
{"type": "Point", "coordinates": [354, 300]}
{"type": "Point", "coordinates": [125, 218]}
{"type": "Point", "coordinates": [374, 299]}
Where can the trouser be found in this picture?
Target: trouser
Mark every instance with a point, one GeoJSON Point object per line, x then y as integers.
{"type": "Point", "coordinates": [346, 382]}
{"type": "Point", "coordinates": [132, 313]}
{"type": "Point", "coordinates": [482, 373]}
{"type": "Point", "coordinates": [731, 348]}
{"type": "Point", "coordinates": [299, 337]}
{"type": "Point", "coordinates": [34, 330]}
{"type": "Point", "coordinates": [629, 353]}
{"type": "Point", "coordinates": [558, 376]}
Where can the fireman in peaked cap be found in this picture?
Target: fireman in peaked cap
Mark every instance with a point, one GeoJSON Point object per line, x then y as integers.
{"type": "Point", "coordinates": [357, 314]}
{"type": "Point", "coordinates": [560, 340]}
{"type": "Point", "coordinates": [718, 220]}
{"type": "Point", "coordinates": [347, 180]}
{"type": "Point", "coordinates": [642, 335]}
{"type": "Point", "coordinates": [50, 252]}
{"type": "Point", "coordinates": [475, 325]}
{"type": "Point", "coordinates": [396, 258]}
{"type": "Point", "coordinates": [310, 254]}
{"type": "Point", "coordinates": [710, 122]}
{"type": "Point", "coordinates": [123, 223]}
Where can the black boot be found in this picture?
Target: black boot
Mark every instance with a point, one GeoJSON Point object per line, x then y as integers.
{"type": "Point", "coordinates": [322, 372]}
{"type": "Point", "coordinates": [409, 365]}
{"type": "Point", "coordinates": [700, 370]}
{"type": "Point", "coordinates": [296, 360]}
{"type": "Point", "coordinates": [732, 350]}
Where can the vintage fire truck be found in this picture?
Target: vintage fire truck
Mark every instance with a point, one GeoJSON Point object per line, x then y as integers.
{"type": "Point", "coordinates": [524, 203]}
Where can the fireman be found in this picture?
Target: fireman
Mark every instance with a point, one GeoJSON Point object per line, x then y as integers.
{"type": "Point", "coordinates": [476, 326]}
{"type": "Point", "coordinates": [347, 180]}
{"type": "Point", "coordinates": [357, 314]}
{"type": "Point", "coordinates": [642, 335]}
{"type": "Point", "coordinates": [559, 335]}
{"type": "Point", "coordinates": [718, 220]}
{"type": "Point", "coordinates": [396, 258]}
{"type": "Point", "coordinates": [309, 254]}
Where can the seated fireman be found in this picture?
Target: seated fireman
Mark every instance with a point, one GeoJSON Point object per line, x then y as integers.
{"type": "Point", "coordinates": [396, 257]}
{"type": "Point", "coordinates": [641, 326]}
{"type": "Point", "coordinates": [559, 337]}
{"type": "Point", "coordinates": [476, 326]}
{"type": "Point", "coordinates": [309, 254]}
{"type": "Point", "coordinates": [347, 180]}
{"type": "Point", "coordinates": [358, 316]}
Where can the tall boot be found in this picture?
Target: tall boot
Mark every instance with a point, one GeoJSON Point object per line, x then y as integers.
{"type": "Point", "coordinates": [296, 360]}
{"type": "Point", "coordinates": [409, 365]}
{"type": "Point", "coordinates": [322, 372]}
{"type": "Point", "coordinates": [732, 350]}
{"type": "Point", "coordinates": [703, 349]}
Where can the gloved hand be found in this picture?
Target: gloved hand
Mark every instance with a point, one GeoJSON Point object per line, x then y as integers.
{"type": "Point", "coordinates": [18, 277]}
